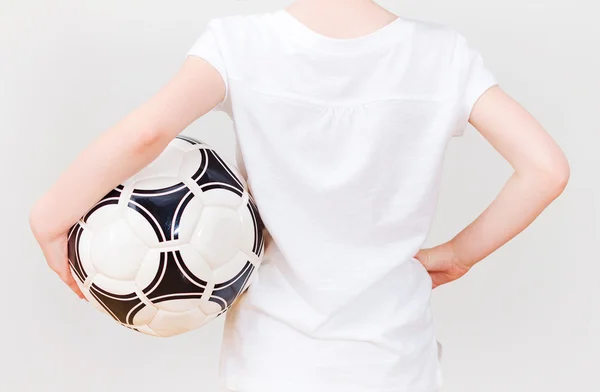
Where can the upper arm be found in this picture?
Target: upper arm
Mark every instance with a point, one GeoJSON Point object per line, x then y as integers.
{"type": "Point", "coordinates": [502, 121]}
{"type": "Point", "coordinates": [195, 89]}
{"type": "Point", "coordinates": [517, 135]}
{"type": "Point", "coordinates": [199, 86]}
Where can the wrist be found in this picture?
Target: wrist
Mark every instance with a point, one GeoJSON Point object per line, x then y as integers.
{"type": "Point", "coordinates": [452, 250]}
{"type": "Point", "coordinates": [43, 220]}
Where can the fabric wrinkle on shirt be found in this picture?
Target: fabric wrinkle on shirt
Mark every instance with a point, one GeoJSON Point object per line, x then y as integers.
{"type": "Point", "coordinates": [342, 142]}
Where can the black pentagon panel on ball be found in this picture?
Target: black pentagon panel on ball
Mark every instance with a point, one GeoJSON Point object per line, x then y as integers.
{"type": "Point", "coordinates": [225, 293]}
{"type": "Point", "coordinates": [162, 208]}
{"type": "Point", "coordinates": [73, 252]}
{"type": "Point", "coordinates": [174, 280]}
{"type": "Point", "coordinates": [214, 173]}
{"type": "Point", "coordinates": [122, 307]}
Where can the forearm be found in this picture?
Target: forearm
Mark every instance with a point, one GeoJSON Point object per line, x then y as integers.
{"type": "Point", "coordinates": [114, 156]}
{"type": "Point", "coordinates": [520, 201]}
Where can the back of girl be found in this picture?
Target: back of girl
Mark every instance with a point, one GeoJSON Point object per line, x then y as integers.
{"type": "Point", "coordinates": [342, 139]}
{"type": "Point", "coordinates": [342, 113]}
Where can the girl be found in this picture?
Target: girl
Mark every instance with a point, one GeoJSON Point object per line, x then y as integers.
{"type": "Point", "coordinates": [342, 112]}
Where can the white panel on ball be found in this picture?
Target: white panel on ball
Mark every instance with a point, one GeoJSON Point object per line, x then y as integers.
{"type": "Point", "coordinates": [189, 219]}
{"type": "Point", "coordinates": [149, 269]}
{"type": "Point", "coordinates": [168, 323]}
{"type": "Point", "coordinates": [217, 236]}
{"type": "Point", "coordinates": [116, 251]}
{"type": "Point", "coordinates": [221, 198]}
{"type": "Point", "coordinates": [113, 286]}
{"type": "Point", "coordinates": [210, 308]}
{"type": "Point", "coordinates": [233, 266]}
{"type": "Point", "coordinates": [145, 316]}
{"type": "Point", "coordinates": [178, 305]}
{"type": "Point", "coordinates": [196, 263]}
{"type": "Point", "coordinates": [104, 215]}
{"type": "Point", "coordinates": [192, 163]}
{"type": "Point", "coordinates": [141, 227]}
{"type": "Point", "coordinates": [85, 257]}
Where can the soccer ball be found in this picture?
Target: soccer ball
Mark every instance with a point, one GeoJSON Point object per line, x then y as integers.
{"type": "Point", "coordinates": [172, 247]}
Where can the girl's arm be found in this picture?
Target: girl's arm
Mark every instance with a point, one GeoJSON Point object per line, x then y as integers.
{"type": "Point", "coordinates": [120, 152]}
{"type": "Point", "coordinates": [541, 172]}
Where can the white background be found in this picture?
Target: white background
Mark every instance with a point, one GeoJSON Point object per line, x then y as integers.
{"type": "Point", "coordinates": [524, 319]}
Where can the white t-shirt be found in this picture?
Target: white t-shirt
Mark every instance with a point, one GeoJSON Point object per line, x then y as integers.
{"type": "Point", "coordinates": [342, 144]}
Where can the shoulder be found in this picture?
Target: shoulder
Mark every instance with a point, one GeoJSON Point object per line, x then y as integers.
{"type": "Point", "coordinates": [239, 25]}
{"type": "Point", "coordinates": [432, 45]}
{"type": "Point", "coordinates": [245, 41]}
{"type": "Point", "coordinates": [444, 42]}
{"type": "Point", "coordinates": [433, 31]}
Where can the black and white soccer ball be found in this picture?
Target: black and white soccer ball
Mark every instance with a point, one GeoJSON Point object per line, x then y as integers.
{"type": "Point", "coordinates": [172, 247]}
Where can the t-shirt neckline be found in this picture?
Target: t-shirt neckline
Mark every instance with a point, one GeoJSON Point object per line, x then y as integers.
{"type": "Point", "coordinates": [304, 34]}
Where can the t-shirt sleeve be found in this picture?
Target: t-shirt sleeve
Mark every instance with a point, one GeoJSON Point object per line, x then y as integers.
{"type": "Point", "coordinates": [475, 78]}
{"type": "Point", "coordinates": [208, 46]}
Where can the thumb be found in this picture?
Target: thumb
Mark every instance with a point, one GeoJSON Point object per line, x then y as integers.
{"type": "Point", "coordinates": [423, 256]}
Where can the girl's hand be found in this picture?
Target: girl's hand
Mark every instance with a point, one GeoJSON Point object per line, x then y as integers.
{"type": "Point", "coordinates": [442, 264]}
{"type": "Point", "coordinates": [54, 248]}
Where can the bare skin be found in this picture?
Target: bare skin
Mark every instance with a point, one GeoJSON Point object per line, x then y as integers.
{"type": "Point", "coordinates": [541, 170]}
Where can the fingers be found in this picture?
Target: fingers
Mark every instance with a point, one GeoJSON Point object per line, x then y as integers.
{"type": "Point", "coordinates": [56, 256]}
{"type": "Point", "coordinates": [67, 277]}
{"type": "Point", "coordinates": [438, 279]}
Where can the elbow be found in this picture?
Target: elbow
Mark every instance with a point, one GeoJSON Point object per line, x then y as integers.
{"type": "Point", "coordinates": [561, 178]}
{"type": "Point", "coordinates": [560, 173]}
{"type": "Point", "coordinates": [549, 180]}
{"type": "Point", "coordinates": [36, 221]}
{"type": "Point", "coordinates": [150, 140]}
{"type": "Point", "coordinates": [554, 179]}
{"type": "Point", "coordinates": [149, 137]}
